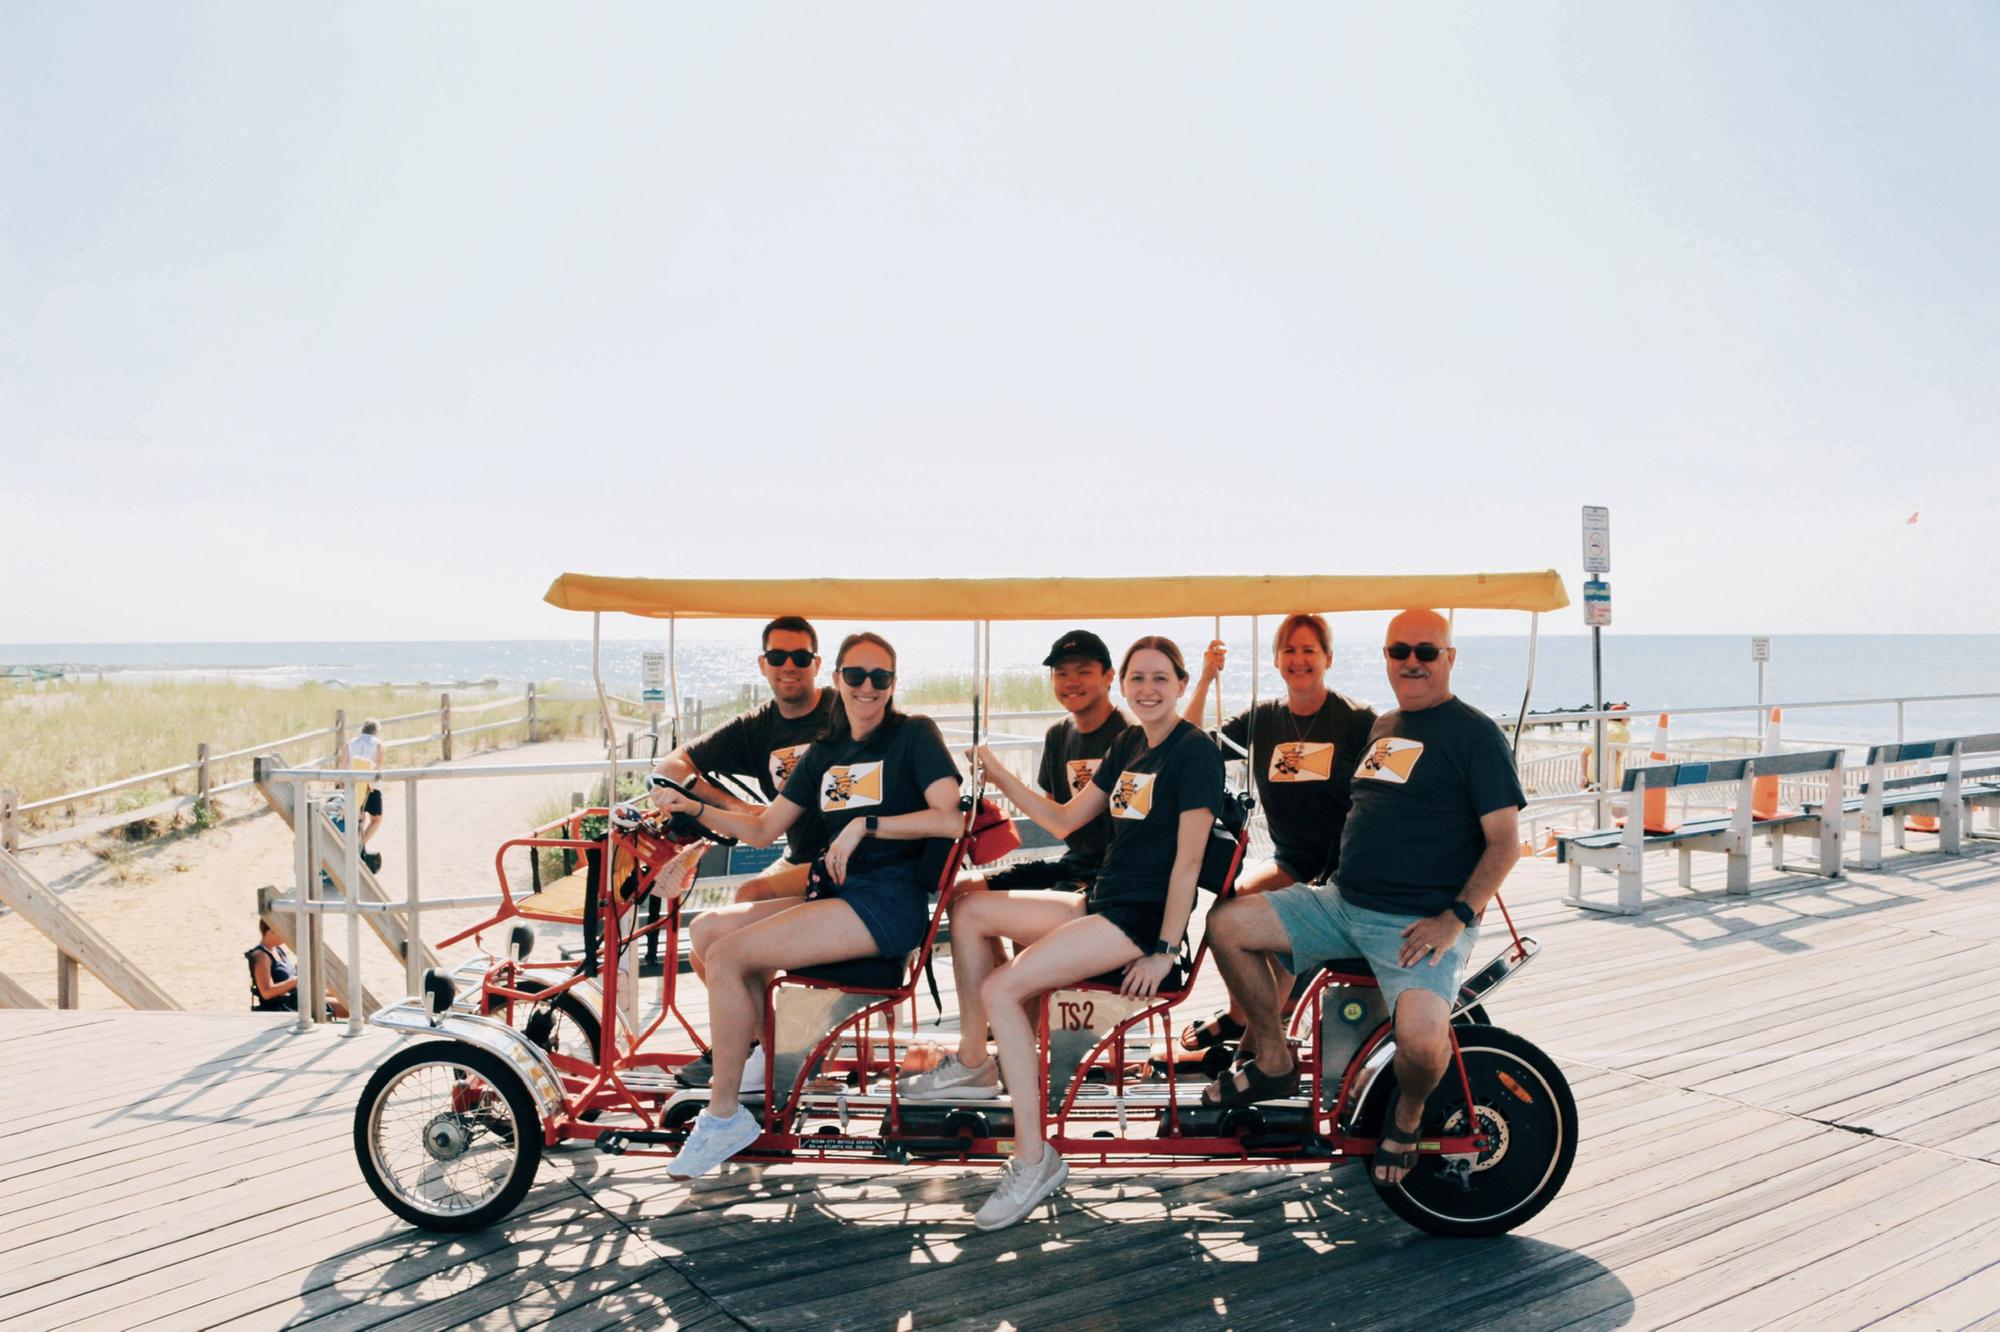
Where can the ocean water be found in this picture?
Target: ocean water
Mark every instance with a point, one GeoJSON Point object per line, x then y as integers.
{"type": "Point", "coordinates": [1651, 672]}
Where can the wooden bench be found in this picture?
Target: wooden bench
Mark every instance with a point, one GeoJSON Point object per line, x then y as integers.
{"type": "Point", "coordinates": [1949, 794]}
{"type": "Point", "coordinates": [1623, 850]}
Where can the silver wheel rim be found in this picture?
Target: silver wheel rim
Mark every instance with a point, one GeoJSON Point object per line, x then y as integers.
{"type": "Point", "coordinates": [442, 1150]}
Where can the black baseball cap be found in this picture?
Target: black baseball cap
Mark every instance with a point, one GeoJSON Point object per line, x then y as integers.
{"type": "Point", "coordinates": [1079, 643]}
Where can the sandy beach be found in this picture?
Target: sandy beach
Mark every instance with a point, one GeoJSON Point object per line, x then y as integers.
{"type": "Point", "coordinates": [183, 908]}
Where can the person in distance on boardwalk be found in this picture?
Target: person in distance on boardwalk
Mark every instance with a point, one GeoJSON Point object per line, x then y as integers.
{"type": "Point", "coordinates": [1080, 676]}
{"type": "Point", "coordinates": [883, 784]}
{"type": "Point", "coordinates": [1308, 745]}
{"type": "Point", "coordinates": [1161, 781]}
{"type": "Point", "coordinates": [366, 751]}
{"type": "Point", "coordinates": [1431, 836]}
{"type": "Point", "coordinates": [274, 979]}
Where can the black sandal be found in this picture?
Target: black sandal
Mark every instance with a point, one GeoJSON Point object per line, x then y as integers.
{"type": "Point", "coordinates": [1217, 1030]}
{"type": "Point", "coordinates": [1405, 1159]}
{"type": "Point", "coordinates": [1257, 1086]}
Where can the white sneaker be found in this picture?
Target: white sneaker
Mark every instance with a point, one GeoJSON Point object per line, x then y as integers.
{"type": "Point", "coordinates": [753, 1073]}
{"type": "Point", "coordinates": [953, 1081]}
{"type": "Point", "coordinates": [1021, 1188]}
{"type": "Point", "coordinates": [713, 1141]}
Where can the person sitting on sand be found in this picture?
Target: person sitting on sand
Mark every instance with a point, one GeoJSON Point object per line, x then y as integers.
{"type": "Point", "coordinates": [882, 783]}
{"type": "Point", "coordinates": [274, 979]}
{"type": "Point", "coordinates": [1161, 782]}
{"type": "Point", "coordinates": [1308, 744]}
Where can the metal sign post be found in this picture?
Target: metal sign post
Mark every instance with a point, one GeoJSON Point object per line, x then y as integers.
{"type": "Point", "coordinates": [1597, 614]}
{"type": "Point", "coordinates": [1760, 652]}
{"type": "Point", "coordinates": [653, 689]}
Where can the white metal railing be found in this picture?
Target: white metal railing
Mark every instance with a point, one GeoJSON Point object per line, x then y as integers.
{"type": "Point", "coordinates": [1543, 770]}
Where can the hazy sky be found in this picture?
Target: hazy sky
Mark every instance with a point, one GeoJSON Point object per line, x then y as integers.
{"type": "Point", "coordinates": [363, 321]}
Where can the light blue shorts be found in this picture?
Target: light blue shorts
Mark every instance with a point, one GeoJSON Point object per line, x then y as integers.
{"type": "Point", "coordinates": [1321, 926]}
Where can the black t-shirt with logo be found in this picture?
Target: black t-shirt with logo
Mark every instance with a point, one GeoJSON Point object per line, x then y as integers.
{"type": "Point", "coordinates": [765, 746]}
{"type": "Point", "coordinates": [883, 775]}
{"type": "Point", "coordinates": [1419, 792]}
{"type": "Point", "coordinates": [1070, 758]}
{"type": "Point", "coordinates": [1149, 789]}
{"type": "Point", "coordinates": [1304, 766]}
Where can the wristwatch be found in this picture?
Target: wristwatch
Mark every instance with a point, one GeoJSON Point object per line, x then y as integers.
{"type": "Point", "coordinates": [1165, 949]}
{"type": "Point", "coordinates": [871, 825]}
{"type": "Point", "coordinates": [1464, 914]}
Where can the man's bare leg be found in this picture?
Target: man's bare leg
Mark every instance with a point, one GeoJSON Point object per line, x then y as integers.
{"type": "Point", "coordinates": [1242, 933]}
{"type": "Point", "coordinates": [1423, 1049]}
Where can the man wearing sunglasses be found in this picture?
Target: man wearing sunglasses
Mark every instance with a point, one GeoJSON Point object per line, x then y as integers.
{"type": "Point", "coordinates": [1432, 834]}
{"type": "Point", "coordinates": [766, 745]}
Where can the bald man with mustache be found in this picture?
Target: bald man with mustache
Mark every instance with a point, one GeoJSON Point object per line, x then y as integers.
{"type": "Point", "coordinates": [1432, 834]}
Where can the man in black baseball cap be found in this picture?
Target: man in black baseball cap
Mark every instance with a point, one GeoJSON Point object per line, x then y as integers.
{"type": "Point", "coordinates": [1082, 645]}
{"type": "Point", "coordinates": [1081, 675]}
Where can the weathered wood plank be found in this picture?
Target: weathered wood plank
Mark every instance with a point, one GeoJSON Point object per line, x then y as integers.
{"type": "Point", "coordinates": [24, 894]}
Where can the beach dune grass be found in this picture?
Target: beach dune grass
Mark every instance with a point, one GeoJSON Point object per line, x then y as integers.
{"type": "Point", "coordinates": [75, 735]}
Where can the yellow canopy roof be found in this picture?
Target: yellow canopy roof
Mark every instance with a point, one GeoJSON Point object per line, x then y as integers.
{"type": "Point", "coordinates": [1053, 598]}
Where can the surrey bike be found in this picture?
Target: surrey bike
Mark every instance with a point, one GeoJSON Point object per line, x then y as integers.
{"type": "Point", "coordinates": [520, 1055]}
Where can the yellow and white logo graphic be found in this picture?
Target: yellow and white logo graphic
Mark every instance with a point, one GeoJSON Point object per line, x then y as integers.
{"type": "Point", "coordinates": [1132, 798]}
{"type": "Point", "coordinates": [1302, 761]}
{"type": "Point", "coordinates": [851, 786]}
{"type": "Point", "coordinates": [783, 760]}
{"type": "Point", "coordinates": [1080, 773]}
{"type": "Point", "coordinates": [1392, 759]}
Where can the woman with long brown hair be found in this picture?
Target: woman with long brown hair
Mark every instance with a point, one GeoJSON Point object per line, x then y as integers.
{"type": "Point", "coordinates": [1161, 781]}
{"type": "Point", "coordinates": [882, 783]}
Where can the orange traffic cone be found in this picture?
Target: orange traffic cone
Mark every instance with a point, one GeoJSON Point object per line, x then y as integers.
{"type": "Point", "coordinates": [1656, 800]}
{"type": "Point", "coordinates": [1764, 790]}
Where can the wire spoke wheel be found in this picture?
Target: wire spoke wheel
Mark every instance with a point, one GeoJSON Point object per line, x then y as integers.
{"type": "Point", "coordinates": [448, 1136]}
{"type": "Point", "coordinates": [1527, 1113]}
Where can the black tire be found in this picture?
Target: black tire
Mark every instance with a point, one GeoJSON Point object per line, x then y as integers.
{"type": "Point", "coordinates": [1535, 1120]}
{"type": "Point", "coordinates": [566, 1025]}
{"type": "Point", "coordinates": [1474, 1016]}
{"type": "Point", "coordinates": [465, 1110]}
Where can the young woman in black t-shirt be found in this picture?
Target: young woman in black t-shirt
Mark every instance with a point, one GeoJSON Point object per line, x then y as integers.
{"type": "Point", "coordinates": [882, 784]}
{"type": "Point", "coordinates": [1161, 782]}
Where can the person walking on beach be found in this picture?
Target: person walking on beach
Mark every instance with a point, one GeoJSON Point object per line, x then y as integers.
{"type": "Point", "coordinates": [1432, 834]}
{"type": "Point", "coordinates": [1308, 744]}
{"type": "Point", "coordinates": [366, 751]}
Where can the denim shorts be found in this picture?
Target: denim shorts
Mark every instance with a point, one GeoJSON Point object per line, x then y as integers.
{"type": "Point", "coordinates": [889, 901]}
{"type": "Point", "coordinates": [1321, 926]}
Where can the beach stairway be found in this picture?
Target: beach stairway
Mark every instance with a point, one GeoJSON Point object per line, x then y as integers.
{"type": "Point", "coordinates": [77, 944]}
{"type": "Point", "coordinates": [390, 927]}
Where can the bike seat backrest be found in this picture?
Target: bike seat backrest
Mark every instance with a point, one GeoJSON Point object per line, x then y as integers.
{"type": "Point", "coordinates": [863, 973]}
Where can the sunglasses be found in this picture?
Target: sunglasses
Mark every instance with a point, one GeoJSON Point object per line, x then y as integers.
{"type": "Point", "coordinates": [1422, 652]}
{"type": "Point", "coordinates": [854, 675]}
{"type": "Point", "coordinates": [799, 657]}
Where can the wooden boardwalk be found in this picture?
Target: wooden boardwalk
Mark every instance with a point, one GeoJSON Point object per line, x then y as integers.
{"type": "Point", "coordinates": [1788, 1110]}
